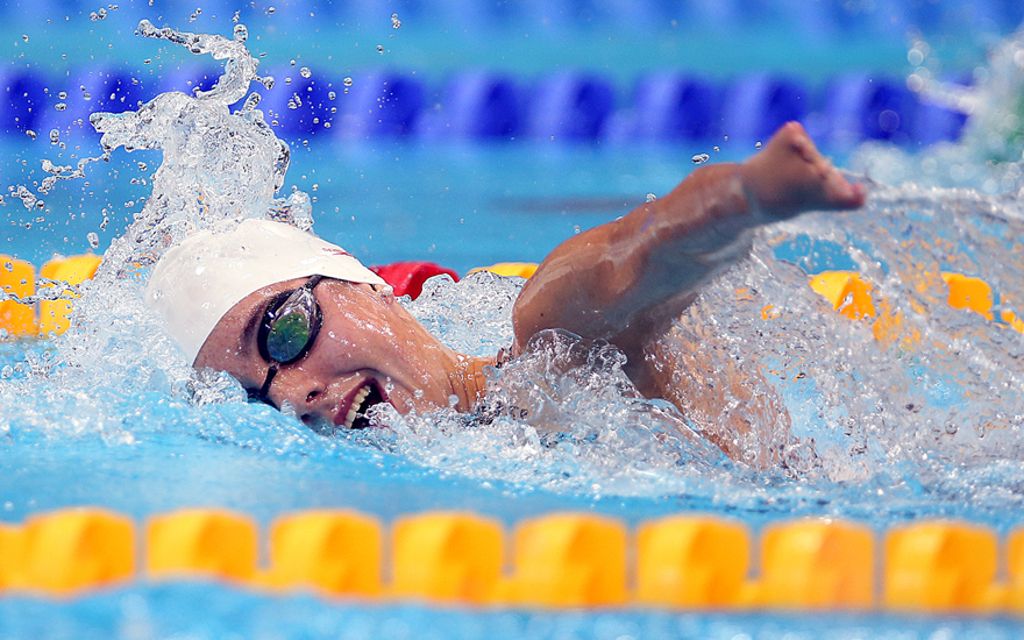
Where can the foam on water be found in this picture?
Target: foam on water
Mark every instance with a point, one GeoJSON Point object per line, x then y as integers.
{"type": "Point", "coordinates": [926, 412]}
{"type": "Point", "coordinates": [988, 155]}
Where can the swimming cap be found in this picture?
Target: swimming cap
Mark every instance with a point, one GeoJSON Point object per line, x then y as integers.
{"type": "Point", "coordinates": [196, 282]}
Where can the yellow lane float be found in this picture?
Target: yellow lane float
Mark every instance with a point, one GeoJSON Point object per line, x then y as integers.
{"type": "Point", "coordinates": [18, 279]}
{"type": "Point", "coordinates": [53, 314]}
{"type": "Point", "coordinates": [336, 552]}
{"type": "Point", "coordinates": [846, 291]}
{"type": "Point", "coordinates": [517, 269]}
{"type": "Point", "coordinates": [448, 557]}
{"type": "Point", "coordinates": [562, 560]}
{"type": "Point", "coordinates": [202, 542]}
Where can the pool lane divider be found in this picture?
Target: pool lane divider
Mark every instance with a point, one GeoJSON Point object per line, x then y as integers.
{"type": "Point", "coordinates": [45, 317]}
{"type": "Point", "coordinates": [555, 561]}
{"type": "Point", "coordinates": [849, 293]}
{"type": "Point", "coordinates": [48, 317]}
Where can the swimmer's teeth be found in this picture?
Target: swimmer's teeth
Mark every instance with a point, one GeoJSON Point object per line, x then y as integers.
{"type": "Point", "coordinates": [357, 403]}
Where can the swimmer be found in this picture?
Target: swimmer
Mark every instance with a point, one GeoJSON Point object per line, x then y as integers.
{"type": "Point", "coordinates": [301, 323]}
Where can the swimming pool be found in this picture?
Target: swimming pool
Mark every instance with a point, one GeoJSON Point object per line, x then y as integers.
{"type": "Point", "coordinates": [125, 429]}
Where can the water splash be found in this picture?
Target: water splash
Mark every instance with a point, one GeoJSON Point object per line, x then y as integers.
{"type": "Point", "coordinates": [218, 167]}
{"type": "Point", "coordinates": [988, 157]}
{"type": "Point", "coordinates": [926, 410]}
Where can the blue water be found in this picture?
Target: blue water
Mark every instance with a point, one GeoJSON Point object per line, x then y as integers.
{"type": "Point", "coordinates": [170, 611]}
{"type": "Point", "coordinates": [139, 446]}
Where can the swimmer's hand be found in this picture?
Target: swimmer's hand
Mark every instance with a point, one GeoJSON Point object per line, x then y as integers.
{"type": "Point", "coordinates": [789, 176]}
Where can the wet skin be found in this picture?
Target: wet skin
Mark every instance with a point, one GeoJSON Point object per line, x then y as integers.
{"type": "Point", "coordinates": [623, 281]}
{"type": "Point", "coordinates": [366, 337]}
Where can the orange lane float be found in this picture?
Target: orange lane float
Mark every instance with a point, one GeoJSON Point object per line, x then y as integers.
{"type": "Point", "coordinates": [569, 560]}
{"type": "Point", "coordinates": [692, 561]}
{"type": "Point", "coordinates": [17, 279]}
{"type": "Point", "coordinates": [851, 295]}
{"type": "Point", "coordinates": [510, 269]}
{"type": "Point", "coordinates": [68, 551]}
{"type": "Point", "coordinates": [201, 542]}
{"type": "Point", "coordinates": [54, 314]}
{"type": "Point", "coordinates": [846, 291]}
{"type": "Point", "coordinates": [448, 557]}
{"type": "Point", "coordinates": [562, 560]}
{"type": "Point", "coordinates": [817, 564]}
{"type": "Point", "coordinates": [941, 566]}
{"type": "Point", "coordinates": [336, 552]}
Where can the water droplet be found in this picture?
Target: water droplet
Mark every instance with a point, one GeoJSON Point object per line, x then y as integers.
{"type": "Point", "coordinates": [331, 95]}
{"type": "Point", "coordinates": [24, 37]}
{"type": "Point", "coordinates": [60, 106]}
{"type": "Point", "coordinates": [99, 14]}
{"type": "Point", "coordinates": [395, 22]}
{"type": "Point", "coordinates": [147, 61]}
{"type": "Point", "coordinates": [715, 148]}
{"type": "Point", "coordinates": [650, 197]}
{"type": "Point", "coordinates": [951, 428]}
{"type": "Point", "coordinates": [380, 49]}
{"type": "Point", "coordinates": [93, 238]}
{"type": "Point", "coordinates": [271, 11]}
{"type": "Point", "coordinates": [240, 32]}
{"type": "Point", "coordinates": [54, 136]}
{"type": "Point", "coordinates": [700, 158]}
{"type": "Point", "coordinates": [142, 166]}
{"type": "Point", "coordinates": [347, 81]}
{"type": "Point", "coordinates": [305, 72]}
{"type": "Point", "coordinates": [31, 134]}
{"type": "Point", "coordinates": [757, 145]}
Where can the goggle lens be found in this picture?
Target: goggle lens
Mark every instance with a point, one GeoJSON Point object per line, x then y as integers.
{"type": "Point", "coordinates": [289, 336]}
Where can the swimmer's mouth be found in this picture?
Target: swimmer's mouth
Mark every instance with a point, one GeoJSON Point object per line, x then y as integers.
{"type": "Point", "coordinates": [352, 414]}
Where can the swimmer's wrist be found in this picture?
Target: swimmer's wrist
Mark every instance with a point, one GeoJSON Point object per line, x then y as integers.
{"type": "Point", "coordinates": [756, 215]}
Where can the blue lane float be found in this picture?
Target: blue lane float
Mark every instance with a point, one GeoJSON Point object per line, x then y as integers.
{"type": "Point", "coordinates": [379, 104]}
{"type": "Point", "coordinates": [862, 107]}
{"type": "Point", "coordinates": [23, 101]}
{"type": "Point", "coordinates": [755, 106]}
{"type": "Point", "coordinates": [301, 106]}
{"type": "Point", "coordinates": [827, 16]}
{"type": "Point", "coordinates": [576, 106]}
{"type": "Point", "coordinates": [570, 107]}
{"type": "Point", "coordinates": [676, 106]}
{"type": "Point", "coordinates": [476, 105]}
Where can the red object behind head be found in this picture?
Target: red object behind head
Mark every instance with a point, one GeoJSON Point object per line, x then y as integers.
{"type": "Point", "coordinates": [407, 278]}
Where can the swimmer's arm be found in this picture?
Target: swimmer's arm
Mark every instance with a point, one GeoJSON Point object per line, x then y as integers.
{"type": "Point", "coordinates": [624, 279]}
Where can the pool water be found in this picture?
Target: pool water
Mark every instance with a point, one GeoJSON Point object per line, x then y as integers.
{"type": "Point", "coordinates": [110, 416]}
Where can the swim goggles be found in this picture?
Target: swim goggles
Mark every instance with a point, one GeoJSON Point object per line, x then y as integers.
{"type": "Point", "coordinates": [287, 332]}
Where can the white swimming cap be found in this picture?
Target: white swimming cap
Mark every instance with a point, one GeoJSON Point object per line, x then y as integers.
{"type": "Point", "coordinates": [196, 282]}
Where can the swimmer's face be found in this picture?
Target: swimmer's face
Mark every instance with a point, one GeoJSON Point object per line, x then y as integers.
{"type": "Point", "coordinates": [368, 349]}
